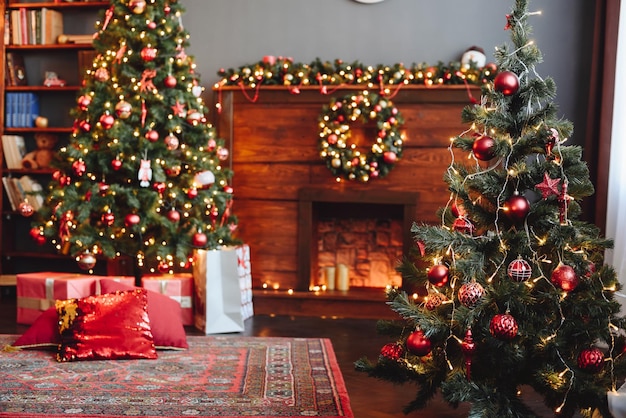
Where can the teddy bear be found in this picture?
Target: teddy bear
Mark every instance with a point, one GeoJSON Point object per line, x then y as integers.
{"type": "Point", "coordinates": [44, 154]}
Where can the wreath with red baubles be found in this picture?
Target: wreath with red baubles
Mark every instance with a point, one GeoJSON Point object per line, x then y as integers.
{"type": "Point", "coordinates": [342, 157]}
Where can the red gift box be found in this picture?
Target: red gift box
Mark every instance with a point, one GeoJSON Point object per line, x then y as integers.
{"type": "Point", "coordinates": [127, 280]}
{"type": "Point", "coordinates": [36, 292]}
{"type": "Point", "coordinates": [244, 271]}
{"type": "Point", "coordinates": [178, 287]}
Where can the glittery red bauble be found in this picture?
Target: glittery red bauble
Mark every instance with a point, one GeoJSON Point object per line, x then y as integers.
{"type": "Point", "coordinates": [79, 167]}
{"type": "Point", "coordinates": [192, 193]}
{"type": "Point", "coordinates": [519, 270]}
{"type": "Point", "coordinates": [484, 148]}
{"type": "Point", "coordinates": [516, 208]}
{"type": "Point", "coordinates": [470, 294]}
{"type": "Point", "coordinates": [171, 142]}
{"type": "Point", "coordinates": [390, 157]}
{"type": "Point", "coordinates": [86, 261]}
{"type": "Point", "coordinates": [503, 327]}
{"type": "Point", "coordinates": [132, 219]}
{"type": "Point", "coordinates": [173, 215]}
{"type": "Point", "coordinates": [116, 164]}
{"type": "Point", "coordinates": [418, 344]}
{"type": "Point", "coordinates": [123, 109]}
{"type": "Point", "coordinates": [26, 209]}
{"type": "Point", "coordinates": [438, 275]}
{"type": "Point", "coordinates": [564, 277]}
{"type": "Point", "coordinates": [506, 83]}
{"type": "Point", "coordinates": [84, 126]}
{"type": "Point", "coordinates": [591, 360]}
{"type": "Point", "coordinates": [108, 218]}
{"type": "Point", "coordinates": [434, 300]}
{"type": "Point", "coordinates": [222, 154]}
{"type": "Point", "coordinates": [170, 81]}
{"type": "Point", "coordinates": [84, 102]}
{"type": "Point", "coordinates": [392, 351]}
{"type": "Point", "coordinates": [107, 121]}
{"type": "Point", "coordinates": [152, 135]}
{"type": "Point", "coordinates": [148, 54]}
{"type": "Point", "coordinates": [199, 239]}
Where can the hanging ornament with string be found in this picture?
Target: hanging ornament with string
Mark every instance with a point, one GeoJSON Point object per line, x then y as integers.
{"type": "Point", "coordinates": [484, 148]}
{"type": "Point", "coordinates": [564, 277]}
{"type": "Point", "coordinates": [548, 187]}
{"type": "Point", "coordinates": [517, 207]}
{"type": "Point", "coordinates": [26, 209]}
{"type": "Point", "coordinates": [468, 347]}
{"type": "Point", "coordinates": [470, 294]}
{"type": "Point", "coordinates": [418, 344]}
{"type": "Point", "coordinates": [503, 327]}
{"type": "Point", "coordinates": [519, 270]}
{"type": "Point", "coordinates": [506, 82]}
{"type": "Point", "coordinates": [564, 200]}
{"type": "Point", "coordinates": [591, 360]}
{"type": "Point", "coordinates": [434, 300]}
{"type": "Point", "coordinates": [86, 260]}
{"type": "Point", "coordinates": [438, 275]}
{"type": "Point", "coordinates": [392, 351]}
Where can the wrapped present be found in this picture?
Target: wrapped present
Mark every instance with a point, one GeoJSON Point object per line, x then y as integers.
{"type": "Point", "coordinates": [245, 280]}
{"type": "Point", "coordinates": [127, 280]}
{"type": "Point", "coordinates": [217, 296]}
{"type": "Point", "coordinates": [178, 287]}
{"type": "Point", "coordinates": [36, 292]}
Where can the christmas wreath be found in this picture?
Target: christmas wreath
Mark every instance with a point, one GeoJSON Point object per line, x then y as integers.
{"type": "Point", "coordinates": [342, 157]}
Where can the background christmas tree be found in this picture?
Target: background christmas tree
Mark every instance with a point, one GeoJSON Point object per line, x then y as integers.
{"type": "Point", "coordinates": [516, 291]}
{"type": "Point", "coordinates": [141, 175]}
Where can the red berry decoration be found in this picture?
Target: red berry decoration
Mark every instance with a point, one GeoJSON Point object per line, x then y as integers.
{"type": "Point", "coordinates": [470, 294]}
{"type": "Point", "coordinates": [418, 344]}
{"type": "Point", "coordinates": [503, 327]}
{"type": "Point", "coordinates": [199, 239]}
{"type": "Point", "coordinates": [564, 277]}
{"type": "Point", "coordinates": [517, 207]}
{"type": "Point", "coordinates": [519, 270]}
{"type": "Point", "coordinates": [438, 275]}
{"type": "Point", "coordinates": [591, 360]}
{"type": "Point", "coordinates": [484, 148]}
{"type": "Point", "coordinates": [506, 83]}
{"type": "Point", "coordinates": [392, 351]}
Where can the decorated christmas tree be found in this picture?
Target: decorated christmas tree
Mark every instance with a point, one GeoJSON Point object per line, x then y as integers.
{"type": "Point", "coordinates": [141, 175]}
{"type": "Point", "coordinates": [516, 294]}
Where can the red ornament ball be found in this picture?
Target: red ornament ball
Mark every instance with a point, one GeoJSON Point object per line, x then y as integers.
{"type": "Point", "coordinates": [107, 121]}
{"type": "Point", "coordinates": [392, 351]}
{"type": "Point", "coordinates": [163, 267]}
{"type": "Point", "coordinates": [434, 300]}
{"type": "Point", "coordinates": [506, 83]}
{"type": "Point", "coordinates": [79, 167]}
{"type": "Point", "coordinates": [173, 215]}
{"type": "Point", "coordinates": [37, 235]}
{"type": "Point", "coordinates": [131, 219]}
{"type": "Point", "coordinates": [171, 142]}
{"type": "Point", "coordinates": [503, 327]}
{"type": "Point", "coordinates": [84, 102]}
{"type": "Point", "coordinates": [390, 157]}
{"type": "Point", "coordinates": [470, 294]}
{"type": "Point", "coordinates": [192, 193]}
{"type": "Point", "coordinates": [26, 209]}
{"type": "Point", "coordinates": [484, 148]}
{"type": "Point", "coordinates": [152, 135]}
{"type": "Point", "coordinates": [519, 270]}
{"type": "Point", "coordinates": [222, 154]}
{"type": "Point", "coordinates": [438, 275]}
{"type": "Point", "coordinates": [108, 218]}
{"type": "Point", "coordinates": [516, 208]}
{"type": "Point", "coordinates": [418, 344]}
{"type": "Point", "coordinates": [116, 164]}
{"type": "Point", "coordinates": [591, 360]}
{"type": "Point", "coordinates": [170, 81]}
{"type": "Point", "coordinates": [123, 109]}
{"type": "Point", "coordinates": [564, 277]}
{"type": "Point", "coordinates": [199, 239]}
{"type": "Point", "coordinates": [86, 261]}
{"type": "Point", "coordinates": [148, 54]}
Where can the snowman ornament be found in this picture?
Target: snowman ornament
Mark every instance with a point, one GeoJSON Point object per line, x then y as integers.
{"type": "Point", "coordinates": [474, 54]}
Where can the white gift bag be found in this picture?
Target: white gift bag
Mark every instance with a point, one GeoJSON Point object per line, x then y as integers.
{"type": "Point", "coordinates": [217, 300]}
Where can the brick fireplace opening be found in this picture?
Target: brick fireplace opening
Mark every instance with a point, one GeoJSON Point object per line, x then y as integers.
{"type": "Point", "coordinates": [366, 230]}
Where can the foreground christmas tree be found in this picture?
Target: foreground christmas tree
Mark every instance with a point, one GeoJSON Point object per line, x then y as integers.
{"type": "Point", "coordinates": [517, 294]}
{"type": "Point", "coordinates": [141, 175]}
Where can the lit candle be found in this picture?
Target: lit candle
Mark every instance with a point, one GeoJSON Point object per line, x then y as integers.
{"type": "Point", "coordinates": [330, 277]}
{"type": "Point", "coordinates": [343, 281]}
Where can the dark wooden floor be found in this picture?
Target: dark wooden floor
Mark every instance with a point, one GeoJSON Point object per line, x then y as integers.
{"type": "Point", "coordinates": [351, 339]}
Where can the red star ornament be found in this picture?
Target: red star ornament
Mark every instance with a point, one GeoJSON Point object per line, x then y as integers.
{"type": "Point", "coordinates": [179, 109]}
{"type": "Point", "coordinates": [548, 187]}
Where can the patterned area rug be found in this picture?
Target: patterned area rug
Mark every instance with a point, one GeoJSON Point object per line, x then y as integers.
{"type": "Point", "coordinates": [219, 376]}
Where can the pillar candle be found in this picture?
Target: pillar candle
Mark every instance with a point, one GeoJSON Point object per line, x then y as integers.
{"type": "Point", "coordinates": [330, 277]}
{"type": "Point", "coordinates": [343, 280]}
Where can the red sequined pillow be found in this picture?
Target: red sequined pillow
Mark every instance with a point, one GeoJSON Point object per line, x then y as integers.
{"type": "Point", "coordinates": [110, 326]}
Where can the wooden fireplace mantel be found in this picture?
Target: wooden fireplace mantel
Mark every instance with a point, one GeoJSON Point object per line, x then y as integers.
{"type": "Point", "coordinates": [273, 139]}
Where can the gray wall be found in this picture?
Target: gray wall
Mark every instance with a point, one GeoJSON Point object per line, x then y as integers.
{"type": "Point", "coordinates": [232, 33]}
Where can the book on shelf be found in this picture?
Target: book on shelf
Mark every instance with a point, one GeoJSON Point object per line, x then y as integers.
{"type": "Point", "coordinates": [21, 109]}
{"type": "Point", "coordinates": [15, 69]}
{"type": "Point", "coordinates": [23, 189]}
{"type": "Point", "coordinates": [14, 149]}
{"type": "Point", "coordinates": [34, 26]}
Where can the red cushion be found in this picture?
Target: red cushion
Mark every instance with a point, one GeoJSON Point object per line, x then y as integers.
{"type": "Point", "coordinates": [164, 312]}
{"type": "Point", "coordinates": [103, 327]}
{"type": "Point", "coordinates": [165, 316]}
